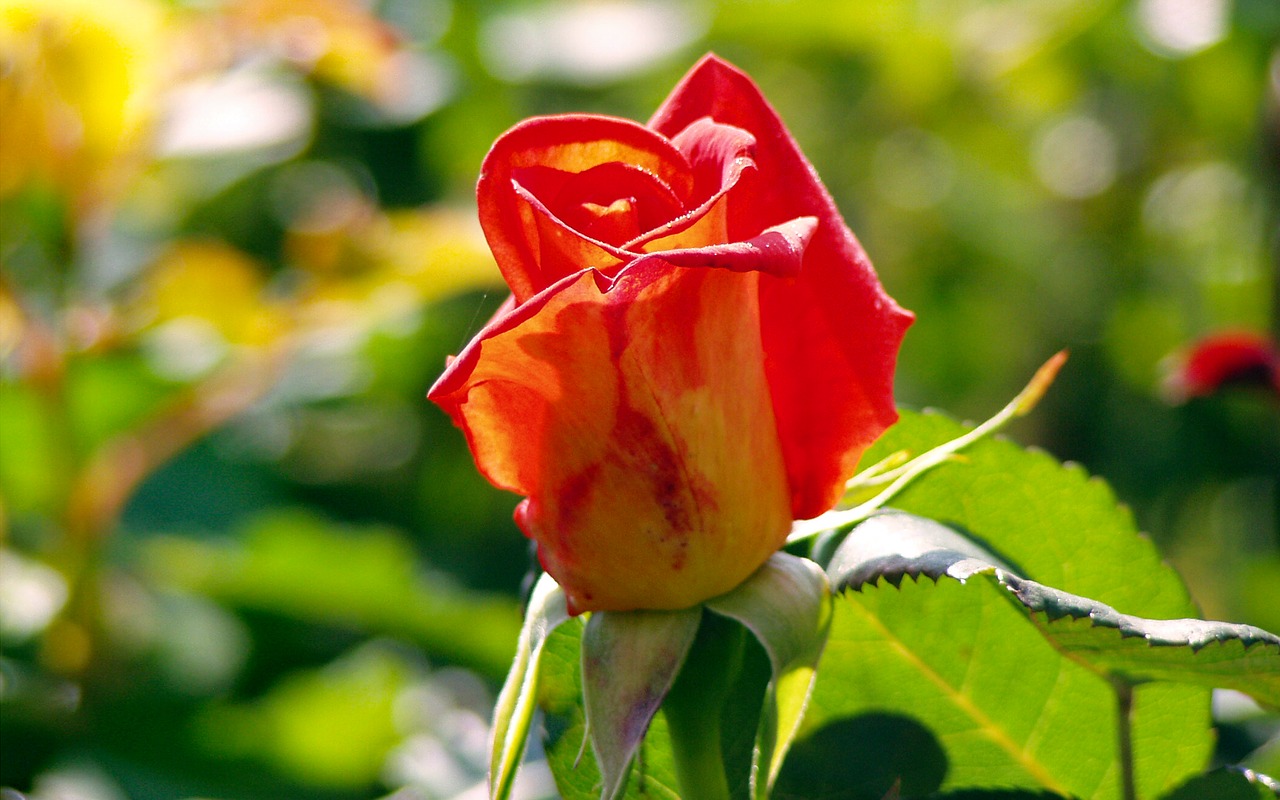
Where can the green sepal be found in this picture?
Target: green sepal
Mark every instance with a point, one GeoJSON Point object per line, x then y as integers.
{"type": "Point", "coordinates": [629, 661]}
{"type": "Point", "coordinates": [513, 712]}
{"type": "Point", "coordinates": [786, 605]}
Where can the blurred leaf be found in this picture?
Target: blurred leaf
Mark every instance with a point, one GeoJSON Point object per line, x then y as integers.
{"type": "Point", "coordinates": [31, 469]}
{"type": "Point", "coordinates": [80, 92]}
{"type": "Point", "coordinates": [329, 727]}
{"type": "Point", "coordinates": [1227, 784]}
{"type": "Point", "coordinates": [1257, 587]}
{"type": "Point", "coordinates": [440, 251]}
{"type": "Point", "coordinates": [213, 283]}
{"type": "Point", "coordinates": [301, 566]}
{"type": "Point", "coordinates": [381, 268]}
{"type": "Point", "coordinates": [1266, 759]}
{"type": "Point", "coordinates": [355, 48]}
{"type": "Point", "coordinates": [109, 395]}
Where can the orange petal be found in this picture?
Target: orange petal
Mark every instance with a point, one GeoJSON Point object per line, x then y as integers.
{"type": "Point", "coordinates": [636, 416]}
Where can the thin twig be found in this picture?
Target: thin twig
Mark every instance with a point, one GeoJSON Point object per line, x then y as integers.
{"type": "Point", "coordinates": [905, 474]}
{"type": "Point", "coordinates": [1124, 737]}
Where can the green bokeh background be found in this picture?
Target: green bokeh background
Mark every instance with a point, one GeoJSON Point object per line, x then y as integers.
{"type": "Point", "coordinates": [318, 598]}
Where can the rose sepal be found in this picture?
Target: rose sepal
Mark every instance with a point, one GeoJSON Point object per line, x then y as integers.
{"type": "Point", "coordinates": [634, 663]}
{"type": "Point", "coordinates": [513, 712]}
{"type": "Point", "coordinates": [630, 659]}
{"type": "Point", "coordinates": [787, 606]}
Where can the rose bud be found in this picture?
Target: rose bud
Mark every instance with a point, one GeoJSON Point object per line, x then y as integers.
{"type": "Point", "coordinates": [696, 350]}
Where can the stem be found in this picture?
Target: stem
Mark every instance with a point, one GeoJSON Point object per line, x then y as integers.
{"type": "Point", "coordinates": [1124, 736]}
{"type": "Point", "coordinates": [692, 708]}
{"type": "Point", "coordinates": [900, 477]}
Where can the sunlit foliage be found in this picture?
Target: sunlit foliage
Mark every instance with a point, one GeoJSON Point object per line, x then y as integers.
{"type": "Point", "coordinates": [240, 555]}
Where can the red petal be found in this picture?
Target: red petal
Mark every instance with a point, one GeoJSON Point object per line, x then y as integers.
{"type": "Point", "coordinates": [718, 155]}
{"type": "Point", "coordinates": [831, 336]}
{"type": "Point", "coordinates": [567, 192]}
{"type": "Point", "coordinates": [778, 251]}
{"type": "Point", "coordinates": [1235, 358]}
{"type": "Point", "coordinates": [570, 143]}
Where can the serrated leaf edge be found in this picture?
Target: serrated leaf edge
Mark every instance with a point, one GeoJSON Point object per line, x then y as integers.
{"type": "Point", "coordinates": [1037, 598]}
{"type": "Point", "coordinates": [960, 558]}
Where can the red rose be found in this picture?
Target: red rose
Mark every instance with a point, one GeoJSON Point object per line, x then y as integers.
{"type": "Point", "coordinates": [1233, 358]}
{"type": "Point", "coordinates": [696, 350]}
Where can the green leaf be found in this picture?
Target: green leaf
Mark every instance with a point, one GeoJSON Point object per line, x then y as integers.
{"type": "Point", "coordinates": [1206, 653]}
{"type": "Point", "coordinates": [1051, 522]}
{"type": "Point", "coordinates": [1227, 784]}
{"type": "Point", "coordinates": [957, 668]}
{"type": "Point", "coordinates": [1128, 648]}
{"type": "Point", "coordinates": [516, 702]}
{"type": "Point", "coordinates": [110, 395]}
{"type": "Point", "coordinates": [299, 565]}
{"type": "Point", "coordinates": [894, 544]}
{"type": "Point", "coordinates": [1266, 758]}
{"type": "Point", "coordinates": [997, 794]}
{"type": "Point", "coordinates": [786, 605]}
{"type": "Point", "coordinates": [33, 462]}
{"type": "Point", "coordinates": [629, 661]}
{"type": "Point", "coordinates": [331, 727]}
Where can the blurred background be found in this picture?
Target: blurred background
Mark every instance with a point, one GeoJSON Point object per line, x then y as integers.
{"type": "Point", "coordinates": [241, 556]}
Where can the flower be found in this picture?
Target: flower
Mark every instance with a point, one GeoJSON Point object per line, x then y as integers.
{"type": "Point", "coordinates": [78, 85]}
{"type": "Point", "coordinates": [1231, 358]}
{"type": "Point", "coordinates": [696, 350]}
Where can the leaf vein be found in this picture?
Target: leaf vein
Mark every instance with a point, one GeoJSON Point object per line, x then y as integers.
{"type": "Point", "coordinates": [987, 725]}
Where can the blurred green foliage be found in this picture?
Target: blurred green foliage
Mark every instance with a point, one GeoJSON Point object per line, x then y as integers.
{"type": "Point", "coordinates": [241, 557]}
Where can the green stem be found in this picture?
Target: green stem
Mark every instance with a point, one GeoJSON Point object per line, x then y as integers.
{"type": "Point", "coordinates": [1124, 738]}
{"type": "Point", "coordinates": [694, 704]}
{"type": "Point", "coordinates": [900, 477]}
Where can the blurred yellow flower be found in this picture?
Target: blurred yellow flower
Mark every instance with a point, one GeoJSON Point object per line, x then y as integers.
{"type": "Point", "coordinates": [439, 251]}
{"type": "Point", "coordinates": [79, 81]}
{"type": "Point", "coordinates": [212, 283]}
{"type": "Point", "coordinates": [378, 264]}
{"type": "Point", "coordinates": [341, 41]}
{"type": "Point", "coordinates": [11, 322]}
